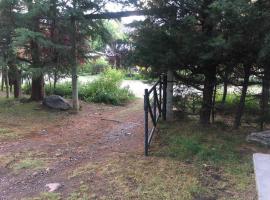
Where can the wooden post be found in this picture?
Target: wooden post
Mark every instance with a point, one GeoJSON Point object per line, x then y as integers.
{"type": "Point", "coordinates": [169, 96]}
{"type": "Point", "coordinates": [155, 104]}
{"type": "Point", "coordinates": [146, 96]}
{"type": "Point", "coordinates": [164, 102]}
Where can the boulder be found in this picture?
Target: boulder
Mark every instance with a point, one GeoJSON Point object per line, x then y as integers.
{"type": "Point", "coordinates": [56, 102]}
{"type": "Point", "coordinates": [260, 137]}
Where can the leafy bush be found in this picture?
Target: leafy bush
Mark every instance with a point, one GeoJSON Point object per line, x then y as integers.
{"type": "Point", "coordinates": [105, 89]}
{"type": "Point", "coordinates": [94, 67]}
{"type": "Point", "coordinates": [62, 89]}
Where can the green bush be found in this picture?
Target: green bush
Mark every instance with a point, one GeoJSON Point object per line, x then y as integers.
{"type": "Point", "coordinates": [62, 89]}
{"type": "Point", "coordinates": [94, 67]}
{"type": "Point", "coordinates": [105, 89]}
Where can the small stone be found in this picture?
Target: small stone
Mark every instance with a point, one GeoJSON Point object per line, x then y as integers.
{"type": "Point", "coordinates": [43, 132]}
{"type": "Point", "coordinates": [58, 154]}
{"type": "Point", "coordinates": [48, 170]}
{"type": "Point", "coordinates": [53, 186]}
{"type": "Point", "coordinates": [128, 133]}
{"type": "Point", "coordinates": [35, 174]}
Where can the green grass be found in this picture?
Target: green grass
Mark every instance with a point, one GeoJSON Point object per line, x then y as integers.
{"type": "Point", "coordinates": [213, 151]}
{"type": "Point", "coordinates": [29, 163]}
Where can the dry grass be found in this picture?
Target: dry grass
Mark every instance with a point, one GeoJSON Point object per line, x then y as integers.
{"type": "Point", "coordinates": [21, 119]}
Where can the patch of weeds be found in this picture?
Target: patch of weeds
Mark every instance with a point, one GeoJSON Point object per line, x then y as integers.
{"type": "Point", "coordinates": [6, 134]}
{"type": "Point", "coordinates": [81, 194]}
{"type": "Point", "coordinates": [5, 160]}
{"type": "Point", "coordinates": [192, 142]}
{"type": "Point", "coordinates": [82, 170]}
{"type": "Point", "coordinates": [214, 152]}
{"type": "Point", "coordinates": [139, 178]}
{"type": "Point", "coordinates": [28, 163]}
{"type": "Point", "coordinates": [240, 173]}
{"type": "Point", "coordinates": [28, 160]}
{"type": "Point", "coordinates": [46, 196]}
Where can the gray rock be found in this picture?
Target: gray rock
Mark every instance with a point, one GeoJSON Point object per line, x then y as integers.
{"type": "Point", "coordinates": [56, 102]}
{"type": "Point", "coordinates": [53, 186]}
{"type": "Point", "coordinates": [260, 137]}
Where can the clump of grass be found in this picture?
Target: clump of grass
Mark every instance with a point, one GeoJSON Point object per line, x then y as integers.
{"type": "Point", "coordinates": [6, 134]}
{"type": "Point", "coordinates": [28, 163]}
{"type": "Point", "coordinates": [82, 193]}
{"type": "Point", "coordinates": [46, 196]}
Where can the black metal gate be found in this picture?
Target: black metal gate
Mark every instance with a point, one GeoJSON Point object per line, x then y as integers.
{"type": "Point", "coordinates": [155, 107]}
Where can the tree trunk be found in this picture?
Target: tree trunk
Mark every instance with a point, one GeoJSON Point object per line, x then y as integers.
{"type": "Point", "coordinates": [265, 97]}
{"type": "Point", "coordinates": [225, 89]}
{"type": "Point", "coordinates": [75, 96]}
{"type": "Point", "coordinates": [7, 82]}
{"type": "Point", "coordinates": [17, 83]}
{"type": "Point", "coordinates": [54, 80]}
{"type": "Point", "coordinates": [208, 90]}
{"type": "Point", "coordinates": [241, 106]}
{"type": "Point", "coordinates": [37, 92]}
{"type": "Point", "coordinates": [3, 79]}
{"type": "Point", "coordinates": [169, 105]}
{"type": "Point", "coordinates": [214, 104]}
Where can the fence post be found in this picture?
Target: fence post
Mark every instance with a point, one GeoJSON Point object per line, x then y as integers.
{"type": "Point", "coordinates": [155, 104]}
{"type": "Point", "coordinates": [160, 94]}
{"type": "Point", "coordinates": [164, 97]}
{"type": "Point", "coordinates": [146, 98]}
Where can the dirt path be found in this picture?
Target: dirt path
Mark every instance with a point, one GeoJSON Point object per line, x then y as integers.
{"type": "Point", "coordinates": [96, 134]}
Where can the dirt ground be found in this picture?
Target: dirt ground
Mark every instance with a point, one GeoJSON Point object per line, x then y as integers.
{"type": "Point", "coordinates": [98, 154]}
{"type": "Point", "coordinates": [98, 133]}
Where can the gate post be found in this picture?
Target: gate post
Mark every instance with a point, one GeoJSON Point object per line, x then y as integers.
{"type": "Point", "coordinates": [146, 99]}
{"type": "Point", "coordinates": [164, 97]}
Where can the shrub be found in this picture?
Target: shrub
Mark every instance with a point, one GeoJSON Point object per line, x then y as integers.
{"type": "Point", "coordinates": [94, 66]}
{"type": "Point", "coordinates": [62, 89]}
{"type": "Point", "coordinates": [105, 89]}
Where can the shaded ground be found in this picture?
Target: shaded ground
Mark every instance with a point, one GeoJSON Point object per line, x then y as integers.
{"type": "Point", "coordinates": [39, 147]}
{"type": "Point", "coordinates": [98, 154]}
